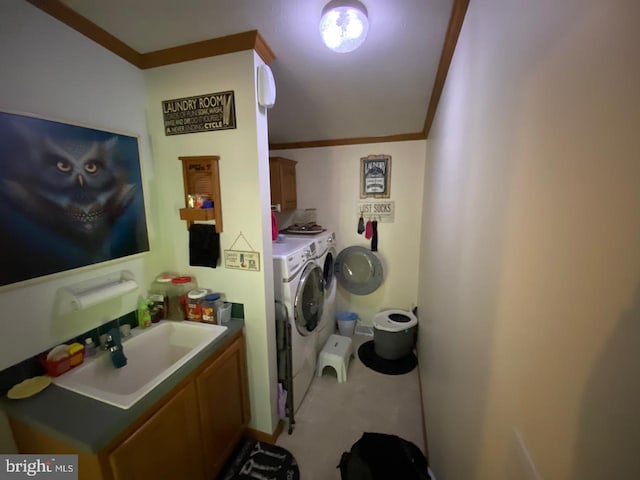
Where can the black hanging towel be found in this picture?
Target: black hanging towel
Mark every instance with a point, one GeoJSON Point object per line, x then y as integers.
{"type": "Point", "coordinates": [374, 236]}
{"type": "Point", "coordinates": [204, 245]}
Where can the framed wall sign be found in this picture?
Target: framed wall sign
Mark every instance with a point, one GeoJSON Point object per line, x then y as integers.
{"type": "Point", "coordinates": [70, 196]}
{"type": "Point", "coordinates": [242, 260]}
{"type": "Point", "coordinates": [248, 260]}
{"type": "Point", "coordinates": [202, 113]}
{"type": "Point", "coordinates": [380, 210]}
{"type": "Point", "coordinates": [375, 176]}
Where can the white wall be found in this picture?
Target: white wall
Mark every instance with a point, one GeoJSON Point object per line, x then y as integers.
{"type": "Point", "coordinates": [530, 268]}
{"type": "Point", "coordinates": [328, 179]}
{"type": "Point", "coordinates": [52, 71]}
{"type": "Point", "coordinates": [244, 189]}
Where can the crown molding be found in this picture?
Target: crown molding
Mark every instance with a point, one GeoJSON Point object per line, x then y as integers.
{"type": "Point", "coordinates": [80, 24]}
{"type": "Point", "coordinates": [238, 42]}
{"type": "Point", "coordinates": [458, 12]}
{"type": "Point", "coordinates": [251, 40]}
{"type": "Point", "coordinates": [263, 49]}
{"type": "Point", "coordinates": [404, 137]}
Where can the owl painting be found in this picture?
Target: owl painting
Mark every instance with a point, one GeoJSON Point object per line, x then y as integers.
{"type": "Point", "coordinates": [70, 196]}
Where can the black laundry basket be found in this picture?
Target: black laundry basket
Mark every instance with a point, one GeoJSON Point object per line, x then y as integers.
{"type": "Point", "coordinates": [378, 456]}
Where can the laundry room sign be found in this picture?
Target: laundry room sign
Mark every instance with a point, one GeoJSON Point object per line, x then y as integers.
{"type": "Point", "coordinates": [202, 113]}
{"type": "Point", "coordinates": [375, 176]}
{"type": "Point", "coordinates": [380, 210]}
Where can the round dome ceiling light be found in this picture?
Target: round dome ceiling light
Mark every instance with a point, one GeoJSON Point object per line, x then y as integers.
{"type": "Point", "coordinates": [344, 25]}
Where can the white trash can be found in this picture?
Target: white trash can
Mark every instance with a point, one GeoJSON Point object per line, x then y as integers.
{"type": "Point", "coordinates": [346, 323]}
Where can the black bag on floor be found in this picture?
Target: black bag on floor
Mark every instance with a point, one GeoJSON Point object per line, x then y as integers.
{"type": "Point", "coordinates": [378, 456]}
{"type": "Point", "coordinates": [259, 460]}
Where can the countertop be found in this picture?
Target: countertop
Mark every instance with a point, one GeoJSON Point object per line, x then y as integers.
{"type": "Point", "coordinates": [90, 425]}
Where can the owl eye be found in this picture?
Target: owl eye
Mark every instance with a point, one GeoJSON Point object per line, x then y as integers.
{"type": "Point", "coordinates": [63, 166]}
{"type": "Point", "coordinates": [92, 167]}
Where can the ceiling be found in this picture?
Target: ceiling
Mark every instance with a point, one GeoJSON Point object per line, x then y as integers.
{"type": "Point", "coordinates": [380, 92]}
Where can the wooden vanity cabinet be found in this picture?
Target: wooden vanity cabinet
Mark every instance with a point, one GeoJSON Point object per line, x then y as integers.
{"type": "Point", "coordinates": [189, 434]}
{"type": "Point", "coordinates": [224, 406]}
{"type": "Point", "coordinates": [282, 174]}
{"type": "Point", "coordinates": [166, 446]}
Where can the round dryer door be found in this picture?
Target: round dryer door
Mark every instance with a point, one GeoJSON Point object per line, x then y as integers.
{"type": "Point", "coordinates": [328, 269]}
{"type": "Point", "coordinates": [358, 270]}
{"type": "Point", "coordinates": [309, 299]}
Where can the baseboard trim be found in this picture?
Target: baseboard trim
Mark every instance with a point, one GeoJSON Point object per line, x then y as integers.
{"type": "Point", "coordinates": [266, 437]}
{"type": "Point", "coordinates": [424, 423]}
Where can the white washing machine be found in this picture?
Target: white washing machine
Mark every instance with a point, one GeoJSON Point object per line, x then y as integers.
{"type": "Point", "coordinates": [299, 287]}
{"type": "Point", "coordinates": [325, 256]}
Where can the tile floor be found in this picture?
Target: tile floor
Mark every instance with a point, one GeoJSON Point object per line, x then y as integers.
{"type": "Point", "coordinates": [333, 416]}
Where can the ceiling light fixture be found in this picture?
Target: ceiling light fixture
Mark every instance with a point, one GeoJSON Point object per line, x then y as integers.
{"type": "Point", "coordinates": [344, 25]}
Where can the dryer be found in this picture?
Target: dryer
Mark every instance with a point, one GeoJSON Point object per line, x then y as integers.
{"type": "Point", "coordinates": [325, 256]}
{"type": "Point", "coordinates": [299, 287]}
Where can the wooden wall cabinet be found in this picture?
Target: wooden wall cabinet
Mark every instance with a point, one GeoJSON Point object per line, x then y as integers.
{"type": "Point", "coordinates": [201, 175]}
{"type": "Point", "coordinates": [191, 433]}
{"type": "Point", "coordinates": [282, 173]}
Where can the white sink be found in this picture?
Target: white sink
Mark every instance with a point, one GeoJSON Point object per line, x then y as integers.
{"type": "Point", "coordinates": [152, 355]}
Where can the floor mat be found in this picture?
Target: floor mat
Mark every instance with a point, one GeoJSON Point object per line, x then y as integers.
{"type": "Point", "coordinates": [403, 365]}
{"type": "Point", "coordinates": [258, 460]}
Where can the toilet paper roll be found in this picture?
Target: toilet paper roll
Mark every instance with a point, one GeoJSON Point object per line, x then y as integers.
{"type": "Point", "coordinates": [101, 294]}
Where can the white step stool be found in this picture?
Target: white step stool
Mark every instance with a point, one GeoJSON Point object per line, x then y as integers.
{"type": "Point", "coordinates": [336, 353]}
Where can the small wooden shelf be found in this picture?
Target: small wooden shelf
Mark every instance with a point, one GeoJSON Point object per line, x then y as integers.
{"type": "Point", "coordinates": [201, 214]}
{"type": "Point", "coordinates": [201, 175]}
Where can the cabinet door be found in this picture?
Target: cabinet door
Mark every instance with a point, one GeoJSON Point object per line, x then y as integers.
{"type": "Point", "coordinates": [275, 182]}
{"type": "Point", "coordinates": [282, 172]}
{"type": "Point", "coordinates": [289, 193]}
{"type": "Point", "coordinates": [224, 405]}
{"type": "Point", "coordinates": [166, 446]}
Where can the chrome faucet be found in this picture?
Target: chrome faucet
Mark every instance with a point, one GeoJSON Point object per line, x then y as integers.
{"type": "Point", "coordinates": [113, 343]}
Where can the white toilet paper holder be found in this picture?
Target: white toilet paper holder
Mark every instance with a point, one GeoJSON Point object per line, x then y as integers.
{"type": "Point", "coordinates": [97, 290]}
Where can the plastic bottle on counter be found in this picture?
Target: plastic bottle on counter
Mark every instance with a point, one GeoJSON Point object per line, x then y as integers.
{"type": "Point", "coordinates": [156, 308]}
{"type": "Point", "coordinates": [209, 305]}
{"type": "Point", "coordinates": [89, 347]}
{"type": "Point", "coordinates": [144, 316]}
{"type": "Point", "coordinates": [194, 304]}
{"type": "Point", "coordinates": [180, 287]}
{"type": "Point", "coordinates": [159, 295]}
{"type": "Point", "coordinates": [223, 312]}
